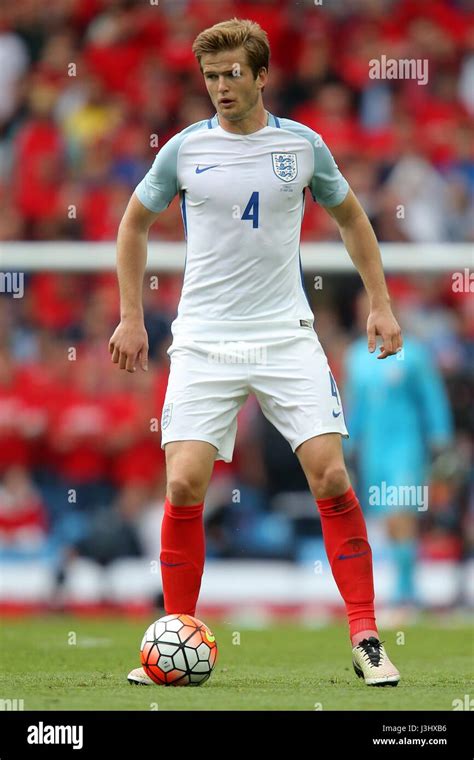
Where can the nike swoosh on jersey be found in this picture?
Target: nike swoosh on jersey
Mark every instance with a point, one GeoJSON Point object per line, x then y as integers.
{"type": "Point", "coordinates": [334, 413]}
{"type": "Point", "coordinates": [205, 168]}
{"type": "Point", "coordinates": [173, 564]}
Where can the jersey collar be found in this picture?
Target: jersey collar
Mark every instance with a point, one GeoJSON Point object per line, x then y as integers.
{"type": "Point", "coordinates": [272, 121]}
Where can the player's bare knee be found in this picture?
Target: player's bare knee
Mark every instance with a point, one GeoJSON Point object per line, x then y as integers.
{"type": "Point", "coordinates": [332, 481]}
{"type": "Point", "coordinates": [184, 490]}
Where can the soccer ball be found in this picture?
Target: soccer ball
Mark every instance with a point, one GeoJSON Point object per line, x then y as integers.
{"type": "Point", "coordinates": [178, 650]}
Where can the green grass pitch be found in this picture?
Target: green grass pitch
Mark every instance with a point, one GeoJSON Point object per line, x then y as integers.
{"type": "Point", "coordinates": [282, 667]}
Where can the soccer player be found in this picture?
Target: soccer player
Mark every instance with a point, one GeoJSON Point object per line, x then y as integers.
{"type": "Point", "coordinates": [244, 324]}
{"type": "Point", "coordinates": [417, 427]}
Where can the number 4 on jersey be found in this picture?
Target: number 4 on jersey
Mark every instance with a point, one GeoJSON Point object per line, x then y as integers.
{"type": "Point", "coordinates": [251, 209]}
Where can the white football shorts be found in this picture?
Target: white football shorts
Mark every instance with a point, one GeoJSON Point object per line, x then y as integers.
{"type": "Point", "coordinates": [209, 382]}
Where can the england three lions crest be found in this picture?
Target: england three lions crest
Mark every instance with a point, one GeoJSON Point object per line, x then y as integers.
{"type": "Point", "coordinates": [285, 166]}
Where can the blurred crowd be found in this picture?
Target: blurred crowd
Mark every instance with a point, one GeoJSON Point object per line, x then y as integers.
{"type": "Point", "coordinates": [90, 89]}
{"type": "Point", "coordinates": [87, 90]}
{"type": "Point", "coordinates": [82, 470]}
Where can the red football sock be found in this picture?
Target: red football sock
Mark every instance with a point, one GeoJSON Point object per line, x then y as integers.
{"type": "Point", "coordinates": [350, 557]}
{"type": "Point", "coordinates": [182, 556]}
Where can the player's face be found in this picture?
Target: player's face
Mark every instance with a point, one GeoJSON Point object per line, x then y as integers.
{"type": "Point", "coordinates": [230, 83]}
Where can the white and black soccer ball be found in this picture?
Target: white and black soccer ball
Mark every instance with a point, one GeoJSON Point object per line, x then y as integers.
{"type": "Point", "coordinates": [178, 650]}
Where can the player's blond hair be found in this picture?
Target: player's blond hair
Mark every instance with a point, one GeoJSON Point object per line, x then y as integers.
{"type": "Point", "coordinates": [232, 34]}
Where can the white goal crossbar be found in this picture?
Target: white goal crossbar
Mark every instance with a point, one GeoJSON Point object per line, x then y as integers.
{"type": "Point", "coordinates": [170, 257]}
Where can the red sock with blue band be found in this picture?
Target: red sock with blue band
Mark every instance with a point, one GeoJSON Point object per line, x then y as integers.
{"type": "Point", "coordinates": [350, 557]}
{"type": "Point", "coordinates": [182, 557]}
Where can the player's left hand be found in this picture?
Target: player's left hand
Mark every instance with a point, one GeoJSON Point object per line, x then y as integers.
{"type": "Point", "coordinates": [382, 322]}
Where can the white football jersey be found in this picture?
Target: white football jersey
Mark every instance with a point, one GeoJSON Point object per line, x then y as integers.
{"type": "Point", "coordinates": [242, 203]}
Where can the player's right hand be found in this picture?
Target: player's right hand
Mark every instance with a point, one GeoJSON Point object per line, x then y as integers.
{"type": "Point", "coordinates": [129, 344]}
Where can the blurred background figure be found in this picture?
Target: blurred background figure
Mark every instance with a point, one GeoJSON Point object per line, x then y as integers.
{"type": "Point", "coordinates": [400, 421]}
{"type": "Point", "coordinates": [23, 517]}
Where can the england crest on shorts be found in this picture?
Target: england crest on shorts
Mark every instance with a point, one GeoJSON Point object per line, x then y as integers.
{"type": "Point", "coordinates": [285, 166]}
{"type": "Point", "coordinates": [166, 415]}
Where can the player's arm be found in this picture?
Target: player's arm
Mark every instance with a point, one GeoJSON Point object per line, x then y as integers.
{"type": "Point", "coordinates": [130, 341]}
{"type": "Point", "coordinates": [359, 239]}
{"type": "Point", "coordinates": [152, 195]}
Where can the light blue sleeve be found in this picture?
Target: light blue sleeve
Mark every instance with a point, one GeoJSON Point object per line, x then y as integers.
{"type": "Point", "coordinates": [328, 186]}
{"type": "Point", "coordinates": [160, 185]}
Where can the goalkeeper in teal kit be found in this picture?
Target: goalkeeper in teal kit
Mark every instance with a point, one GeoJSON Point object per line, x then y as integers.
{"type": "Point", "coordinates": [409, 394]}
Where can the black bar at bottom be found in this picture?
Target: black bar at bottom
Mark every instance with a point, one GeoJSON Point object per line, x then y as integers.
{"type": "Point", "coordinates": [327, 734]}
